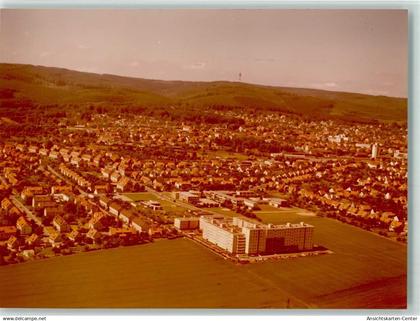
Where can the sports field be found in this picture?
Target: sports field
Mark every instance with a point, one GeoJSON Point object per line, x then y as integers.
{"type": "Point", "coordinates": [365, 271]}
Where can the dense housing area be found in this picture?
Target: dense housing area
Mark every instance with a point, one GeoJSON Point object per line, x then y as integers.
{"type": "Point", "coordinates": [118, 181]}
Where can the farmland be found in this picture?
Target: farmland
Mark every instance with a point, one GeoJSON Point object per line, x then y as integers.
{"type": "Point", "coordinates": [352, 269]}
{"type": "Point", "coordinates": [167, 274]}
{"type": "Point", "coordinates": [365, 271]}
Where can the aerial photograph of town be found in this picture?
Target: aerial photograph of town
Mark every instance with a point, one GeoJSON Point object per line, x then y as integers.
{"type": "Point", "coordinates": [215, 159]}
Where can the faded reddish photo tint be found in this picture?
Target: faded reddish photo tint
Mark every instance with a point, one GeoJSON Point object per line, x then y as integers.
{"type": "Point", "coordinates": [203, 159]}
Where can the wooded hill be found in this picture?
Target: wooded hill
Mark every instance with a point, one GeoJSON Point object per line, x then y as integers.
{"type": "Point", "coordinates": [27, 87]}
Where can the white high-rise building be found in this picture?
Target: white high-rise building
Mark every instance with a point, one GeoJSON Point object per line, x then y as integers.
{"type": "Point", "coordinates": [240, 235]}
{"type": "Point", "coordinates": [225, 236]}
{"type": "Point", "coordinates": [375, 150]}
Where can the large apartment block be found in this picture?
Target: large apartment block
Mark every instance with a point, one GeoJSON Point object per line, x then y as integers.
{"type": "Point", "coordinates": [226, 236]}
{"type": "Point", "coordinates": [243, 236]}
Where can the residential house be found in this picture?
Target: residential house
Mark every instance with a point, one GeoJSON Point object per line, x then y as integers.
{"type": "Point", "coordinates": [32, 240]}
{"type": "Point", "coordinates": [60, 224]}
{"type": "Point", "coordinates": [23, 226]}
{"type": "Point", "coordinates": [277, 202]}
{"type": "Point", "coordinates": [115, 177]}
{"type": "Point", "coordinates": [61, 189]}
{"type": "Point", "coordinates": [121, 231]}
{"type": "Point", "coordinates": [139, 225]}
{"type": "Point", "coordinates": [98, 221]}
{"type": "Point", "coordinates": [28, 254]}
{"type": "Point", "coordinates": [7, 231]}
{"type": "Point", "coordinates": [55, 238]}
{"type": "Point", "coordinates": [101, 189]}
{"type": "Point", "coordinates": [6, 204]}
{"type": "Point", "coordinates": [104, 201]}
{"type": "Point", "coordinates": [33, 149]}
{"type": "Point", "coordinates": [115, 209]}
{"type": "Point", "coordinates": [12, 243]}
{"type": "Point", "coordinates": [51, 212]}
{"type": "Point", "coordinates": [74, 236]}
{"type": "Point", "coordinates": [93, 234]}
{"type": "Point", "coordinates": [126, 216]}
{"type": "Point", "coordinates": [15, 211]}
{"type": "Point", "coordinates": [39, 201]}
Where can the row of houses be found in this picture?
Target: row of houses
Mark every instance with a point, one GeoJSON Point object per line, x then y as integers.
{"type": "Point", "coordinates": [80, 180]}
{"type": "Point", "coordinates": [127, 216]}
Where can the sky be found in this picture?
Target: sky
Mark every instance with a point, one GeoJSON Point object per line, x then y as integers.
{"type": "Point", "coordinates": [362, 51]}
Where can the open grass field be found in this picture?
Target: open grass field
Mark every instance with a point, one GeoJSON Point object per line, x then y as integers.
{"type": "Point", "coordinates": [167, 205]}
{"type": "Point", "coordinates": [176, 273]}
{"type": "Point", "coordinates": [365, 271]}
{"type": "Point", "coordinates": [223, 211]}
{"type": "Point", "coordinates": [283, 211]}
{"type": "Point", "coordinates": [143, 196]}
{"type": "Point", "coordinates": [172, 207]}
{"type": "Point", "coordinates": [226, 154]}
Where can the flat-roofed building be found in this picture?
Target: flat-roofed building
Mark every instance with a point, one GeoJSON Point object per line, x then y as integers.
{"type": "Point", "coordinates": [277, 202]}
{"type": "Point", "coordinates": [186, 223]}
{"type": "Point", "coordinates": [246, 194]}
{"type": "Point", "coordinates": [205, 202]}
{"type": "Point", "coordinates": [270, 239]}
{"type": "Point", "coordinates": [189, 197]}
{"type": "Point", "coordinates": [154, 205]}
{"type": "Point", "coordinates": [224, 235]}
{"type": "Point", "coordinates": [38, 201]}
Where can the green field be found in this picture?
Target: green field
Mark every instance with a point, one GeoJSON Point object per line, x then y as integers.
{"type": "Point", "coordinates": [223, 211]}
{"type": "Point", "coordinates": [283, 211]}
{"type": "Point", "coordinates": [143, 196]}
{"type": "Point", "coordinates": [365, 271]}
{"type": "Point", "coordinates": [226, 154]}
{"type": "Point", "coordinates": [169, 206]}
{"type": "Point", "coordinates": [176, 273]}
